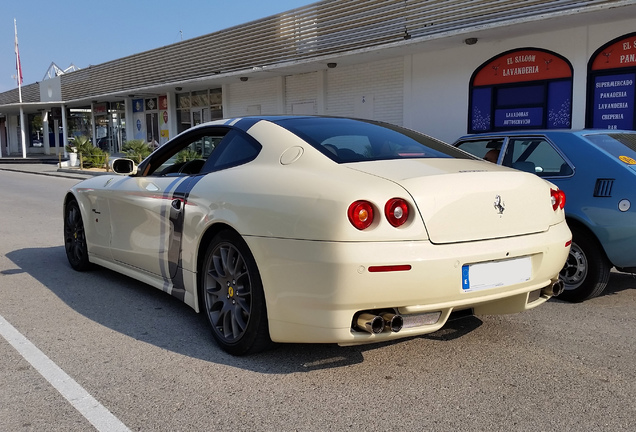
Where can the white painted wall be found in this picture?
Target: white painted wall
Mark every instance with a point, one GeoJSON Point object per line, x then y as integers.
{"type": "Point", "coordinates": [438, 99]}
{"type": "Point", "coordinates": [255, 96]}
{"type": "Point", "coordinates": [426, 91]}
{"type": "Point", "coordinates": [372, 90]}
{"type": "Point", "coordinates": [301, 93]}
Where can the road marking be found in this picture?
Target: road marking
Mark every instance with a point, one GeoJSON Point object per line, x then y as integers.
{"type": "Point", "coordinates": [87, 405]}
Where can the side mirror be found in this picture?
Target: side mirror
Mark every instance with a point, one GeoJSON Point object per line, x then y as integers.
{"type": "Point", "coordinates": [124, 166]}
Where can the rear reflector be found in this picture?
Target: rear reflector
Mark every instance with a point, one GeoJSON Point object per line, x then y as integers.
{"type": "Point", "coordinates": [391, 268]}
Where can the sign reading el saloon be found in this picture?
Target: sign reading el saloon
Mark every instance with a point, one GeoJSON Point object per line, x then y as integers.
{"type": "Point", "coordinates": [522, 65]}
{"type": "Point", "coordinates": [522, 88]}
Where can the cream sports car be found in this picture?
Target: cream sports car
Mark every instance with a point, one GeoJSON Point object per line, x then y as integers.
{"type": "Point", "coordinates": [316, 229]}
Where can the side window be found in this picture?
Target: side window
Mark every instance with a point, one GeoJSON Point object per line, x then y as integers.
{"type": "Point", "coordinates": [487, 149]}
{"type": "Point", "coordinates": [536, 155]}
{"type": "Point", "coordinates": [186, 157]}
{"type": "Point", "coordinates": [235, 149]}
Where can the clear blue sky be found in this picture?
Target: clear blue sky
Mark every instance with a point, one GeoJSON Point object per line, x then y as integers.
{"type": "Point", "coordinates": [90, 32]}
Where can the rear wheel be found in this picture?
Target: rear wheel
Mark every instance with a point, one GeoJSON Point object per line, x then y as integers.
{"type": "Point", "coordinates": [75, 237]}
{"type": "Point", "coordinates": [586, 271]}
{"type": "Point", "coordinates": [233, 296]}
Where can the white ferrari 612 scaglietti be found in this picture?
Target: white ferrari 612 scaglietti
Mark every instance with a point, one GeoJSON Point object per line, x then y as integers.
{"type": "Point", "coordinates": [322, 230]}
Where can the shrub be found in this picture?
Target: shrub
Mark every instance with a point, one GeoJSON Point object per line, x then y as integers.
{"type": "Point", "coordinates": [187, 155]}
{"type": "Point", "coordinates": [137, 150]}
{"type": "Point", "coordinates": [90, 156]}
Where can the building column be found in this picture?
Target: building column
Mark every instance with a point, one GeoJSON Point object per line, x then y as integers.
{"type": "Point", "coordinates": [225, 100]}
{"type": "Point", "coordinates": [64, 131]}
{"type": "Point", "coordinates": [321, 92]}
{"type": "Point", "coordinates": [408, 106]}
{"type": "Point", "coordinates": [173, 128]}
{"type": "Point", "coordinates": [22, 132]}
{"type": "Point", "coordinates": [45, 132]}
{"type": "Point", "coordinates": [93, 136]}
{"type": "Point", "coordinates": [130, 120]}
{"type": "Point", "coordinates": [281, 95]}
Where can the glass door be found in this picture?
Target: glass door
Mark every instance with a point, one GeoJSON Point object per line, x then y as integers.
{"type": "Point", "coordinates": [152, 129]}
{"type": "Point", "coordinates": [200, 115]}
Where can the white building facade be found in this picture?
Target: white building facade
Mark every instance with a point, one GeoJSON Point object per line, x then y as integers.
{"type": "Point", "coordinates": [445, 68]}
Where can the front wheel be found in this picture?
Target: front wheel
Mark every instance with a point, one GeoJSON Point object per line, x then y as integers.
{"type": "Point", "coordinates": [233, 296]}
{"type": "Point", "coordinates": [586, 271]}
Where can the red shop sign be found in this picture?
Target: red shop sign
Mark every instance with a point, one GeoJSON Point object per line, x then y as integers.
{"type": "Point", "coordinates": [522, 66]}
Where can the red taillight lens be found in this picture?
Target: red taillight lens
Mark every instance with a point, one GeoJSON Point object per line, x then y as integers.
{"type": "Point", "coordinates": [558, 199]}
{"type": "Point", "coordinates": [360, 214]}
{"type": "Point", "coordinates": [396, 211]}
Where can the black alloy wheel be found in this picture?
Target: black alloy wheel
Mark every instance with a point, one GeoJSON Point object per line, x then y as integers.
{"type": "Point", "coordinates": [233, 296]}
{"type": "Point", "coordinates": [75, 237]}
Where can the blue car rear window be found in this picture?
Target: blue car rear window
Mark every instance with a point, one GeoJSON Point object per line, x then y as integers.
{"type": "Point", "coordinates": [615, 143]}
{"type": "Point", "coordinates": [348, 140]}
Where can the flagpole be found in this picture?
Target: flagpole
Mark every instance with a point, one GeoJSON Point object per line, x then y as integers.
{"type": "Point", "coordinates": [17, 60]}
{"type": "Point", "coordinates": [19, 71]}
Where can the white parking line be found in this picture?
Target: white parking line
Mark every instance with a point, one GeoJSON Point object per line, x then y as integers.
{"type": "Point", "coordinates": [87, 405]}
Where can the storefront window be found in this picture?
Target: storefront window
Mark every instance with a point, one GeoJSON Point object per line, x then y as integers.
{"type": "Point", "coordinates": [521, 89]}
{"type": "Point", "coordinates": [183, 100]}
{"type": "Point", "coordinates": [216, 104]}
{"type": "Point", "coordinates": [36, 132]}
{"type": "Point", "coordinates": [183, 120]}
{"type": "Point", "coordinates": [611, 91]}
{"type": "Point", "coordinates": [198, 107]}
{"type": "Point", "coordinates": [79, 123]}
{"type": "Point", "coordinates": [200, 99]}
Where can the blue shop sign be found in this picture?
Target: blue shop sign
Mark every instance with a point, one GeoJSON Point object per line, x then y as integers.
{"type": "Point", "coordinates": [519, 117]}
{"type": "Point", "coordinates": [613, 101]}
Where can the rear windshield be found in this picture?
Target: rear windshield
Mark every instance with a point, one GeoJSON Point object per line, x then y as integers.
{"type": "Point", "coordinates": [615, 143]}
{"type": "Point", "coordinates": [347, 140]}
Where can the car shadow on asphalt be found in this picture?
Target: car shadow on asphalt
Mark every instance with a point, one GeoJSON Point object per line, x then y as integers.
{"type": "Point", "coordinates": [618, 282]}
{"type": "Point", "coordinates": [147, 314]}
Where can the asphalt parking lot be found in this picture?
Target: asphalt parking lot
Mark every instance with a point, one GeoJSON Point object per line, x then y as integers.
{"type": "Point", "coordinates": [146, 362]}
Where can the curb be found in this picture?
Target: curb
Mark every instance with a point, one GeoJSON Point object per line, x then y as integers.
{"type": "Point", "coordinates": [60, 172]}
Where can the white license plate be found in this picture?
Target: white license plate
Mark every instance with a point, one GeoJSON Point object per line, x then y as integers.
{"type": "Point", "coordinates": [494, 274]}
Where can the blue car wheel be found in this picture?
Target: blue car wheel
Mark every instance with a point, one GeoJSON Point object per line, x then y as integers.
{"type": "Point", "coordinates": [586, 271]}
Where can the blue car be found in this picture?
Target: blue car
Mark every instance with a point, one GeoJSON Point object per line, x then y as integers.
{"type": "Point", "coordinates": [597, 171]}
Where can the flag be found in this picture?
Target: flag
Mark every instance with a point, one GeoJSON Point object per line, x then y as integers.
{"type": "Point", "coordinates": [18, 66]}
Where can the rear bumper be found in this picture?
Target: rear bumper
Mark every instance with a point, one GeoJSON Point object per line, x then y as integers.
{"type": "Point", "coordinates": [314, 289]}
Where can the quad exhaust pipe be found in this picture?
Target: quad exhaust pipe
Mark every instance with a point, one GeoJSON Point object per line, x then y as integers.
{"type": "Point", "coordinates": [554, 289]}
{"type": "Point", "coordinates": [377, 323]}
{"type": "Point", "coordinates": [557, 288]}
{"type": "Point", "coordinates": [392, 322]}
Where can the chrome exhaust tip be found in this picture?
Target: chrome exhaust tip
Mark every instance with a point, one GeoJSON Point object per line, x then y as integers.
{"type": "Point", "coordinates": [370, 323]}
{"type": "Point", "coordinates": [557, 288]}
{"type": "Point", "coordinates": [392, 321]}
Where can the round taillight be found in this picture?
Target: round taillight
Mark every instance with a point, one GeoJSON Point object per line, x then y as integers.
{"type": "Point", "coordinates": [558, 198]}
{"type": "Point", "coordinates": [396, 211]}
{"type": "Point", "coordinates": [361, 214]}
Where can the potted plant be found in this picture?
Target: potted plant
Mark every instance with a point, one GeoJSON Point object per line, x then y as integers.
{"type": "Point", "coordinates": [72, 154]}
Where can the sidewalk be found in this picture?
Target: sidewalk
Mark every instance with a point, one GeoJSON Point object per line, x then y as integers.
{"type": "Point", "coordinates": [45, 166]}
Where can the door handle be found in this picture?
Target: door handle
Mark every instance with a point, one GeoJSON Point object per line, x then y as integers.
{"type": "Point", "coordinates": [176, 204]}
